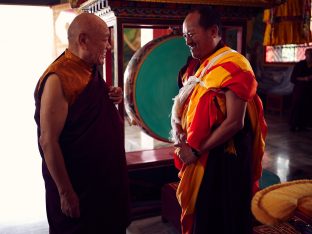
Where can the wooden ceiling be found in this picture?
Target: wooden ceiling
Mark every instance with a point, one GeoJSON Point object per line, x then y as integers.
{"type": "Point", "coordinates": [256, 3]}
{"type": "Point", "coordinates": [32, 2]}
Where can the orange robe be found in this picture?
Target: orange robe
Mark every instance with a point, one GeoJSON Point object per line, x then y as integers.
{"type": "Point", "coordinates": [205, 110]}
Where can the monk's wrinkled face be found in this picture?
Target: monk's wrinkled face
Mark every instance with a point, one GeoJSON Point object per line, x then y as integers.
{"type": "Point", "coordinates": [200, 41]}
{"type": "Point", "coordinates": [97, 45]}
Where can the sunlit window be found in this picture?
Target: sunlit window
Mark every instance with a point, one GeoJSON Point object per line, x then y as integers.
{"type": "Point", "coordinates": [26, 45]}
{"type": "Point", "coordinates": [285, 54]}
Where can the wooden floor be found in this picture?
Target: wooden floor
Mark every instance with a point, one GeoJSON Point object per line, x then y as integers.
{"type": "Point", "coordinates": [288, 154]}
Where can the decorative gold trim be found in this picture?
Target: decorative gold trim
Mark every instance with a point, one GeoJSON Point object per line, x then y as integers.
{"type": "Point", "coordinates": [86, 3]}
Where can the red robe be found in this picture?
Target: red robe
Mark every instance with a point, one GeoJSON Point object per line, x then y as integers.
{"type": "Point", "coordinates": [92, 143]}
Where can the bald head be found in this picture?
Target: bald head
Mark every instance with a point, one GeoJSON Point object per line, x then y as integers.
{"type": "Point", "coordinates": [85, 34]}
{"type": "Point", "coordinates": [84, 23]}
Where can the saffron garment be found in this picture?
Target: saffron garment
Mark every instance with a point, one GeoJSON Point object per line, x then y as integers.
{"type": "Point", "coordinates": [92, 143]}
{"type": "Point", "coordinates": [215, 192]}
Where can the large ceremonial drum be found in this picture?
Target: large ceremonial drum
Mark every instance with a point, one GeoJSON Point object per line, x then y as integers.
{"type": "Point", "coordinates": [151, 84]}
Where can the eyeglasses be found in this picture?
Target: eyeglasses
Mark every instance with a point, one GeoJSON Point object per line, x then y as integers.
{"type": "Point", "coordinates": [188, 35]}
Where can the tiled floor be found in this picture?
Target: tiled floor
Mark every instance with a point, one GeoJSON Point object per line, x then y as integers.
{"type": "Point", "coordinates": [287, 154]}
{"type": "Point", "coordinates": [136, 139]}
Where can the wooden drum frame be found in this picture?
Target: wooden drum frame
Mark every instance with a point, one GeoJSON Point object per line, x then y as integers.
{"type": "Point", "coordinates": [151, 84]}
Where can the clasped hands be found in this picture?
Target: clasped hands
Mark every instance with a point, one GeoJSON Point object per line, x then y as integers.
{"type": "Point", "coordinates": [115, 94]}
{"type": "Point", "coordinates": [185, 153]}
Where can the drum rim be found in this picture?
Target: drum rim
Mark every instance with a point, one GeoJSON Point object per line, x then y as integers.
{"type": "Point", "coordinates": [137, 116]}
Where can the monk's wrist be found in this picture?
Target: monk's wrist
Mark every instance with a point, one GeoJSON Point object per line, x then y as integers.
{"type": "Point", "coordinates": [195, 152]}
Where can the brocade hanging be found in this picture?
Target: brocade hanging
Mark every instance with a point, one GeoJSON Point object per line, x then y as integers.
{"type": "Point", "coordinates": [288, 23]}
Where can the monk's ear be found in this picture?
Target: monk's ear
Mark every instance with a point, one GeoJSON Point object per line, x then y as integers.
{"type": "Point", "coordinates": [83, 40]}
{"type": "Point", "coordinates": [214, 31]}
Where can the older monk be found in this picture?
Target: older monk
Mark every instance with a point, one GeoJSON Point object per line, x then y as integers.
{"type": "Point", "coordinates": [80, 136]}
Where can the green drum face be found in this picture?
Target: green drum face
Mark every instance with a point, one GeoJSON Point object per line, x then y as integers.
{"type": "Point", "coordinates": [151, 84]}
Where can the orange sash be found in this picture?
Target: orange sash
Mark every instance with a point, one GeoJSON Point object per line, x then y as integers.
{"type": "Point", "coordinates": [74, 75]}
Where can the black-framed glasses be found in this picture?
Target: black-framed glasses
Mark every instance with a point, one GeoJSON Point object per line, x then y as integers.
{"type": "Point", "coordinates": [188, 35]}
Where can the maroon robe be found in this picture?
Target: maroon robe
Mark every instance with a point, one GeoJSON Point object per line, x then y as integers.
{"type": "Point", "coordinates": [92, 143]}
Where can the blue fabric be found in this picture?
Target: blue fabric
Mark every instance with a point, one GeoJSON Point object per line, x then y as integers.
{"type": "Point", "coordinates": [268, 178]}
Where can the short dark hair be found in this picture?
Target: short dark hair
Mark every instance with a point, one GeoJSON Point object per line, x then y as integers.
{"type": "Point", "coordinates": [208, 17]}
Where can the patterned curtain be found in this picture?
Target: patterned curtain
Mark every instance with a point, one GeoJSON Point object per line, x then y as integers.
{"type": "Point", "coordinates": [288, 23]}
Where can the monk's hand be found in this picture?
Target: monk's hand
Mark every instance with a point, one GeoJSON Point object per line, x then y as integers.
{"type": "Point", "coordinates": [186, 154]}
{"type": "Point", "coordinates": [179, 136]}
{"type": "Point", "coordinates": [70, 204]}
{"type": "Point", "coordinates": [115, 94]}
